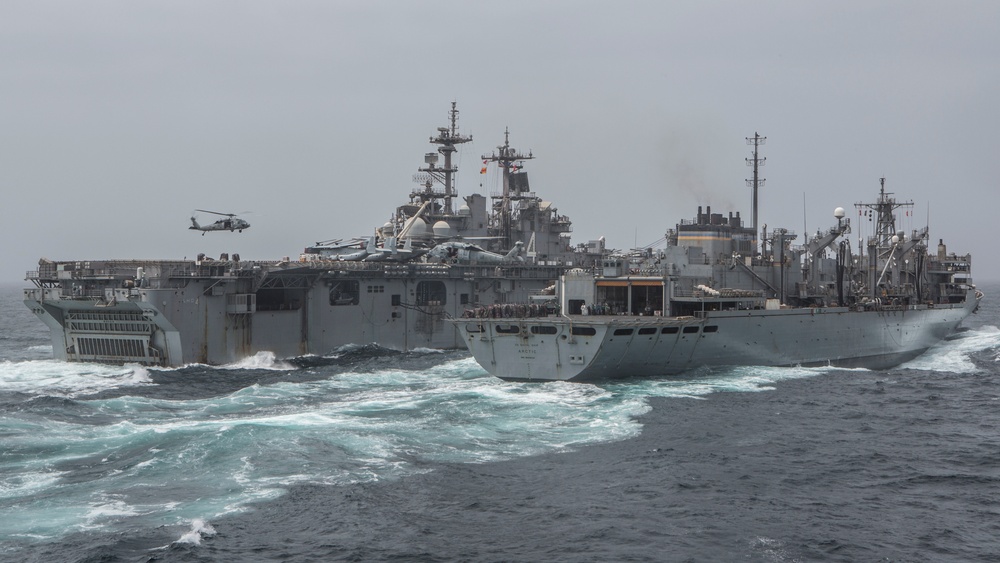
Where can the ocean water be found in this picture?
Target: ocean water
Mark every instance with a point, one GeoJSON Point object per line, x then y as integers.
{"type": "Point", "coordinates": [367, 454]}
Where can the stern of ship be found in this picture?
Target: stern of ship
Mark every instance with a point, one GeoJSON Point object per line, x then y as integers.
{"type": "Point", "coordinates": [113, 328]}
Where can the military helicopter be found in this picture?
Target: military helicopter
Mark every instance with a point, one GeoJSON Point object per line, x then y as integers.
{"type": "Point", "coordinates": [230, 223]}
{"type": "Point", "coordinates": [466, 252]}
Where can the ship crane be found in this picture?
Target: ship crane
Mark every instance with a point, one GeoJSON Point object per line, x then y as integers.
{"type": "Point", "coordinates": [821, 242]}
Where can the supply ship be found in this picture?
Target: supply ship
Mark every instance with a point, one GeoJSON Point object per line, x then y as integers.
{"type": "Point", "coordinates": [438, 255]}
{"type": "Point", "coordinates": [715, 296]}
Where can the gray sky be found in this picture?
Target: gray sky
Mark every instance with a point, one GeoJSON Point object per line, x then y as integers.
{"type": "Point", "coordinates": [117, 119]}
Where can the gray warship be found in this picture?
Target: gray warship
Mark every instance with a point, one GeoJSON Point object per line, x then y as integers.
{"type": "Point", "coordinates": [714, 296]}
{"type": "Point", "coordinates": [438, 255]}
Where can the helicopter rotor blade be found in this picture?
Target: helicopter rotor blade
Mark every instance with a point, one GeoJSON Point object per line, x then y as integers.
{"type": "Point", "coordinates": [216, 213]}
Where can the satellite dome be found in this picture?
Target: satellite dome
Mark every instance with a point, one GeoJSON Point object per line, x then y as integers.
{"type": "Point", "coordinates": [417, 226]}
{"type": "Point", "coordinates": [839, 213]}
{"type": "Point", "coordinates": [442, 229]}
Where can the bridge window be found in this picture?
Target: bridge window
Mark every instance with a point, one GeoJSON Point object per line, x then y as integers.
{"type": "Point", "coordinates": [543, 329]}
{"type": "Point", "coordinates": [584, 331]}
{"type": "Point", "coordinates": [669, 330]}
{"type": "Point", "coordinates": [647, 330]}
{"type": "Point", "coordinates": [690, 329]}
{"type": "Point", "coordinates": [623, 331]}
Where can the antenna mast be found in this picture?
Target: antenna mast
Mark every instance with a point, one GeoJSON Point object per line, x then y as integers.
{"type": "Point", "coordinates": [505, 157]}
{"type": "Point", "coordinates": [757, 181]}
{"type": "Point", "coordinates": [447, 137]}
{"type": "Point", "coordinates": [883, 212]}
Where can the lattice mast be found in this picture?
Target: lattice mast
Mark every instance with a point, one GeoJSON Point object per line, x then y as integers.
{"type": "Point", "coordinates": [886, 243]}
{"type": "Point", "coordinates": [505, 156]}
{"type": "Point", "coordinates": [756, 182]}
{"type": "Point", "coordinates": [883, 213]}
{"type": "Point", "coordinates": [447, 138]}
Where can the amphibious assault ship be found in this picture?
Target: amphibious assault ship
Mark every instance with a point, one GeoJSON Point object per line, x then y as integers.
{"type": "Point", "coordinates": [714, 296]}
{"type": "Point", "coordinates": [395, 287]}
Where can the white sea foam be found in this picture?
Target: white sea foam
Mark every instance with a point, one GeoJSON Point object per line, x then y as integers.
{"type": "Point", "coordinates": [110, 509]}
{"type": "Point", "coordinates": [27, 483]}
{"type": "Point", "coordinates": [64, 379]}
{"type": "Point", "coordinates": [341, 350]}
{"type": "Point", "coordinates": [261, 360]}
{"type": "Point", "coordinates": [428, 351]}
{"type": "Point", "coordinates": [139, 374]}
{"type": "Point", "coordinates": [199, 530]}
{"type": "Point", "coordinates": [698, 383]}
{"type": "Point", "coordinates": [954, 355]}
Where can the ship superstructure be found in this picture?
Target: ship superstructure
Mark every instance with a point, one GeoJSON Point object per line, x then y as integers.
{"type": "Point", "coordinates": [714, 296]}
{"type": "Point", "coordinates": [393, 287]}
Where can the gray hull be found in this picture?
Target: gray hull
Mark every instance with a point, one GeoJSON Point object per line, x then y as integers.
{"type": "Point", "coordinates": [198, 317]}
{"type": "Point", "coordinates": [583, 348]}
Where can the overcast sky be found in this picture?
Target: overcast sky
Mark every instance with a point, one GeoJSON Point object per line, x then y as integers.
{"type": "Point", "coordinates": [117, 119]}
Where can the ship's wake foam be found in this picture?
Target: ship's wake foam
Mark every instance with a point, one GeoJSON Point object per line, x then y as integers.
{"type": "Point", "coordinates": [213, 450]}
{"type": "Point", "coordinates": [962, 353]}
{"type": "Point", "coordinates": [210, 441]}
{"type": "Point", "coordinates": [65, 379]}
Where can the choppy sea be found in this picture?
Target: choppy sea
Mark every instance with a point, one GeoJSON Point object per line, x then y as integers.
{"type": "Point", "coordinates": [368, 454]}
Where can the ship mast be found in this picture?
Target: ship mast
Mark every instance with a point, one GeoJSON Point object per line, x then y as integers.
{"type": "Point", "coordinates": [884, 213]}
{"type": "Point", "coordinates": [757, 181]}
{"type": "Point", "coordinates": [505, 156]}
{"type": "Point", "coordinates": [447, 137]}
{"type": "Point", "coordinates": [883, 245]}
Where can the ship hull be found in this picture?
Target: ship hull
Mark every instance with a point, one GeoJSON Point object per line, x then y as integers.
{"type": "Point", "coordinates": [583, 348]}
{"type": "Point", "coordinates": [220, 320]}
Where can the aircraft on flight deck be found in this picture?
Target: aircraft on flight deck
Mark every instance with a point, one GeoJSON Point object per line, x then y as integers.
{"type": "Point", "coordinates": [466, 252]}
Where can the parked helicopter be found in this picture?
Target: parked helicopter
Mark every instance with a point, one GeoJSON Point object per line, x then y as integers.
{"type": "Point", "coordinates": [230, 223]}
{"type": "Point", "coordinates": [466, 252]}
